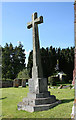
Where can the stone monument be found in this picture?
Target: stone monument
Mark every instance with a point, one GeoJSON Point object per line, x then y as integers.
{"type": "Point", "coordinates": [39, 97]}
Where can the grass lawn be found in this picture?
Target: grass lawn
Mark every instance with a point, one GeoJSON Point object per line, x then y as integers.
{"type": "Point", "coordinates": [12, 96]}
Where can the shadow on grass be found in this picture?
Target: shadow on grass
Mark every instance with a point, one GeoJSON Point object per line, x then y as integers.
{"type": "Point", "coordinates": [67, 100]}
{"type": "Point", "coordinates": [3, 98]}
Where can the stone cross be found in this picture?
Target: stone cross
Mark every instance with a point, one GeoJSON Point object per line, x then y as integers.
{"type": "Point", "coordinates": [35, 84]}
{"type": "Point", "coordinates": [37, 69]}
{"type": "Point", "coordinates": [39, 97]}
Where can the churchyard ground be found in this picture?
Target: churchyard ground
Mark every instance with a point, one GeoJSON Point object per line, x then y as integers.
{"type": "Point", "coordinates": [12, 96]}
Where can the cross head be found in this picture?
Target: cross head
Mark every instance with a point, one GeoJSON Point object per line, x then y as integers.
{"type": "Point", "coordinates": [35, 20]}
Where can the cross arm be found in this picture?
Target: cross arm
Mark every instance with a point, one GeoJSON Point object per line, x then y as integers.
{"type": "Point", "coordinates": [29, 25]}
{"type": "Point", "coordinates": [39, 20]}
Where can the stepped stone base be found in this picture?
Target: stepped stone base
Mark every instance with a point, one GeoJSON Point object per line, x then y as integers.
{"type": "Point", "coordinates": [38, 98]}
{"type": "Point", "coordinates": [38, 102]}
{"type": "Point", "coordinates": [30, 108]}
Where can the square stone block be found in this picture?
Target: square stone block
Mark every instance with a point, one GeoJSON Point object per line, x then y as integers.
{"type": "Point", "coordinates": [38, 85]}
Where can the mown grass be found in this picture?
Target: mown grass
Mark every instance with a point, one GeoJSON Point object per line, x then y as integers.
{"type": "Point", "coordinates": [12, 96]}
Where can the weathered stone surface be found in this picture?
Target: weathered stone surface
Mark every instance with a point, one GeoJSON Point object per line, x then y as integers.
{"type": "Point", "coordinates": [37, 74]}
{"type": "Point", "coordinates": [40, 101]}
{"type": "Point", "coordinates": [39, 95]}
{"type": "Point", "coordinates": [31, 108]}
{"type": "Point", "coordinates": [38, 98]}
{"type": "Point", "coordinates": [39, 85]}
{"type": "Point", "coordinates": [35, 84]}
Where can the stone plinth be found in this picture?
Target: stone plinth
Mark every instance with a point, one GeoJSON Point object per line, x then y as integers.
{"type": "Point", "coordinates": [37, 101]}
{"type": "Point", "coordinates": [38, 98]}
{"type": "Point", "coordinates": [39, 85]}
{"type": "Point", "coordinates": [42, 104]}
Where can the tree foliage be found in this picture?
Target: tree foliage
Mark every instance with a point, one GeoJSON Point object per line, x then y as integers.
{"type": "Point", "coordinates": [49, 57]}
{"type": "Point", "coordinates": [23, 74]}
{"type": "Point", "coordinates": [30, 64]}
{"type": "Point", "coordinates": [13, 60]}
{"type": "Point", "coordinates": [66, 61]}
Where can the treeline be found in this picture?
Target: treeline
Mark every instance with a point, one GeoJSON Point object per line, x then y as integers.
{"type": "Point", "coordinates": [13, 60]}
{"type": "Point", "coordinates": [49, 58]}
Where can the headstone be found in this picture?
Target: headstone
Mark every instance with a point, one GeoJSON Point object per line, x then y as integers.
{"type": "Point", "coordinates": [15, 83]}
{"type": "Point", "coordinates": [23, 82]}
{"type": "Point", "coordinates": [39, 97]}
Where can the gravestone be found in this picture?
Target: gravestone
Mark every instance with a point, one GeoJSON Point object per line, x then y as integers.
{"type": "Point", "coordinates": [15, 83]}
{"type": "Point", "coordinates": [39, 97]}
{"type": "Point", "coordinates": [23, 82]}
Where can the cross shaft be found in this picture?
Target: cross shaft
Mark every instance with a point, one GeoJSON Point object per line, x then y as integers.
{"type": "Point", "coordinates": [37, 69]}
